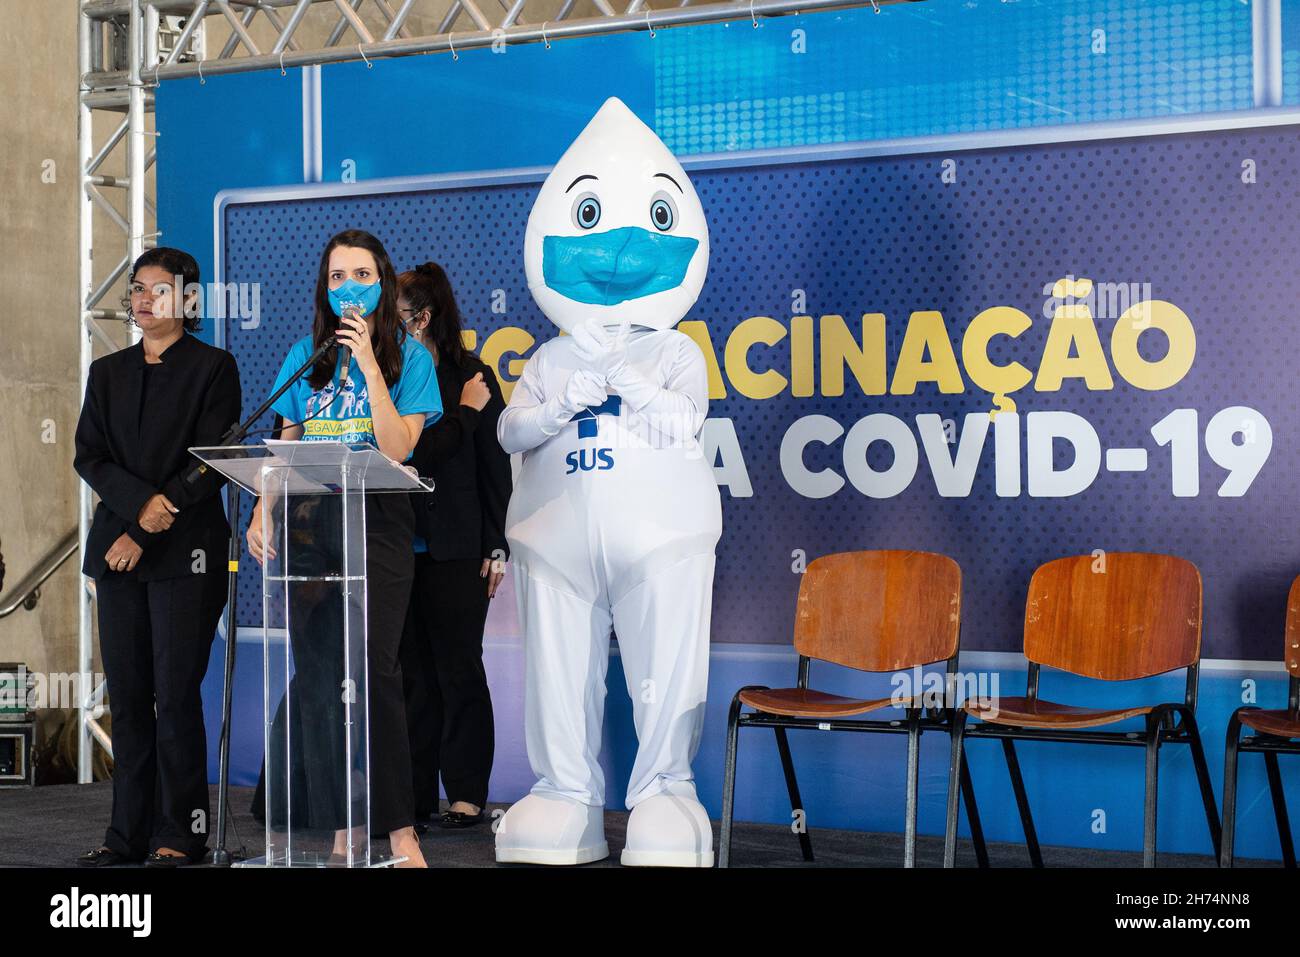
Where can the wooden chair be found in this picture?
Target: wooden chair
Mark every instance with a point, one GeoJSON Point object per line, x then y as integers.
{"type": "Point", "coordinates": [878, 611]}
{"type": "Point", "coordinates": [1275, 732]}
{"type": "Point", "coordinates": [1116, 617]}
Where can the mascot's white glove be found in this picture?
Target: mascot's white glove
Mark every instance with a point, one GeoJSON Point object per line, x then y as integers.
{"type": "Point", "coordinates": [584, 388]}
{"type": "Point", "coordinates": [674, 414]}
{"type": "Point", "coordinates": [604, 352]}
{"type": "Point", "coordinates": [531, 417]}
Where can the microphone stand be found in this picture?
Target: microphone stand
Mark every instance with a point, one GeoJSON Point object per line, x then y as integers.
{"type": "Point", "coordinates": [236, 434]}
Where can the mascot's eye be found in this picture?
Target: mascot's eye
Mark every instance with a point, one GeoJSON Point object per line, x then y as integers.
{"type": "Point", "coordinates": [662, 212]}
{"type": "Point", "coordinates": [586, 211]}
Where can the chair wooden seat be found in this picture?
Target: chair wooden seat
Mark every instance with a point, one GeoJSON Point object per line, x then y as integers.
{"type": "Point", "coordinates": [806, 703]}
{"type": "Point", "coordinates": [1039, 713]}
{"type": "Point", "coordinates": [881, 612]}
{"type": "Point", "coordinates": [1104, 616]}
{"type": "Point", "coordinates": [1280, 723]}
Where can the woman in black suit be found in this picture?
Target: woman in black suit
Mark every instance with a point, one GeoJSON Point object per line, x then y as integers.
{"type": "Point", "coordinates": [156, 550]}
{"type": "Point", "coordinates": [461, 553]}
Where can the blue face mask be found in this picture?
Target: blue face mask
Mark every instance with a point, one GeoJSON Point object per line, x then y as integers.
{"type": "Point", "coordinates": [352, 293]}
{"type": "Point", "coordinates": [603, 269]}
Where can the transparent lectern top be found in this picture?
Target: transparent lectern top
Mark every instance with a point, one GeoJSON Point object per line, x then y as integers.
{"type": "Point", "coordinates": [314, 468]}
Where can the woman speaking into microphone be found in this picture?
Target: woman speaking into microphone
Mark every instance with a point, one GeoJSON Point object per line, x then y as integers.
{"type": "Point", "coordinates": [386, 396]}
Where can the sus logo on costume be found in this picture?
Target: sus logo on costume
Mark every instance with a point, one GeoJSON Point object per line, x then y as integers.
{"type": "Point", "coordinates": [616, 514]}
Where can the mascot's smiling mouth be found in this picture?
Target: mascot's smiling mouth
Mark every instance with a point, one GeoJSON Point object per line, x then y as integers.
{"type": "Point", "coordinates": [604, 269]}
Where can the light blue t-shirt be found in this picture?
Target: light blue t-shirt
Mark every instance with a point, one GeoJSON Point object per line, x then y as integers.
{"type": "Point", "coordinates": [347, 417]}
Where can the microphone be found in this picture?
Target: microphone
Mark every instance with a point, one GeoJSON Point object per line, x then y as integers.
{"type": "Point", "coordinates": [345, 353]}
{"type": "Point", "coordinates": [237, 432]}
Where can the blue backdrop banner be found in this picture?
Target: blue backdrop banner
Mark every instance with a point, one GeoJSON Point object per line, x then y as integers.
{"type": "Point", "coordinates": [1007, 354]}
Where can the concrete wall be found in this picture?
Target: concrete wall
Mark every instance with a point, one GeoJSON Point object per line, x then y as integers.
{"type": "Point", "coordinates": [39, 387]}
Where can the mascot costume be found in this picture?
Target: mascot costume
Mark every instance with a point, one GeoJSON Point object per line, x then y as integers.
{"type": "Point", "coordinates": [615, 513]}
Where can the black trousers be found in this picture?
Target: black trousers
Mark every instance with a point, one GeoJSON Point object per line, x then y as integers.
{"type": "Point", "coordinates": [448, 706]}
{"type": "Point", "coordinates": [155, 638]}
{"type": "Point", "coordinates": [316, 714]}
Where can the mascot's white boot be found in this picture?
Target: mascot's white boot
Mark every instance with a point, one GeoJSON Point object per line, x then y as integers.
{"type": "Point", "coordinates": [669, 829]}
{"type": "Point", "coordinates": [615, 514]}
{"type": "Point", "coordinates": [550, 829]}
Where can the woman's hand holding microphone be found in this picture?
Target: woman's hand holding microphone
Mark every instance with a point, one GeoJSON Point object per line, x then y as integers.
{"type": "Point", "coordinates": [354, 334]}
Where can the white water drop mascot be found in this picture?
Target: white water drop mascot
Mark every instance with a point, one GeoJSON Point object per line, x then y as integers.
{"type": "Point", "coordinates": [615, 513]}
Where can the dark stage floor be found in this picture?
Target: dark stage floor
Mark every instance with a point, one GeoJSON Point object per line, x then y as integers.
{"type": "Point", "coordinates": [50, 826]}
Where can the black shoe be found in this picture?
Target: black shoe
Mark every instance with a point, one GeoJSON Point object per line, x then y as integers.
{"type": "Point", "coordinates": [101, 857]}
{"type": "Point", "coordinates": [172, 860]}
{"type": "Point", "coordinates": [458, 819]}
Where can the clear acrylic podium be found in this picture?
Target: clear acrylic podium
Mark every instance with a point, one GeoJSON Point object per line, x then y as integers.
{"type": "Point", "coordinates": [314, 639]}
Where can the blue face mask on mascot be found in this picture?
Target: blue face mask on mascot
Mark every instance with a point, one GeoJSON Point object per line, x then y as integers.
{"type": "Point", "coordinates": [603, 269]}
{"type": "Point", "coordinates": [352, 293]}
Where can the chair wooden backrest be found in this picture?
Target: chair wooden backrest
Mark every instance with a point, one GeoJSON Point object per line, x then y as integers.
{"type": "Point", "coordinates": [879, 610]}
{"type": "Point", "coordinates": [1114, 616]}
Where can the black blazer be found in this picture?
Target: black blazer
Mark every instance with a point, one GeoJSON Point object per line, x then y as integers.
{"type": "Point", "coordinates": [131, 445]}
{"type": "Point", "coordinates": [465, 515]}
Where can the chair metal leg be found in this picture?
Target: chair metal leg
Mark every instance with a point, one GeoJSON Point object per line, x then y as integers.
{"type": "Point", "coordinates": [973, 815]}
{"type": "Point", "coordinates": [1151, 799]}
{"type": "Point", "coordinates": [792, 786]}
{"type": "Point", "coordinates": [913, 785]}
{"type": "Point", "coordinates": [1022, 802]}
{"type": "Point", "coordinates": [1203, 779]}
{"type": "Point", "coordinates": [955, 774]}
{"type": "Point", "coordinates": [1279, 809]}
{"type": "Point", "coordinates": [1230, 790]}
{"type": "Point", "coordinates": [729, 782]}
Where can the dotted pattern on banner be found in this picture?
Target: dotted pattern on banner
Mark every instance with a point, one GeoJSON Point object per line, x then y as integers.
{"type": "Point", "coordinates": [1170, 214]}
{"type": "Point", "coordinates": [946, 67]}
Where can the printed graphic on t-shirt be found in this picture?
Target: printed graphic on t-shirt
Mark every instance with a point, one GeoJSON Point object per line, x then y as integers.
{"type": "Point", "coordinates": [345, 418]}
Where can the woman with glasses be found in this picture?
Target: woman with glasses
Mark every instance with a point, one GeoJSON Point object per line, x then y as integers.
{"type": "Point", "coordinates": [460, 559]}
{"type": "Point", "coordinates": [156, 550]}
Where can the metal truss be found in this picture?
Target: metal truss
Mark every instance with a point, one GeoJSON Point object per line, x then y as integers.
{"type": "Point", "coordinates": [366, 29]}
{"type": "Point", "coordinates": [132, 141]}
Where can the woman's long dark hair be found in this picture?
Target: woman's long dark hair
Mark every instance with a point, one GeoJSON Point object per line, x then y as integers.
{"type": "Point", "coordinates": [386, 330]}
{"type": "Point", "coordinates": [427, 287]}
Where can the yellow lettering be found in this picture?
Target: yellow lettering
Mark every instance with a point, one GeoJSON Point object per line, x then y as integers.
{"type": "Point", "coordinates": [1072, 325]}
{"type": "Point", "coordinates": [866, 361]}
{"type": "Point", "coordinates": [1163, 373]}
{"type": "Point", "coordinates": [998, 380]}
{"type": "Point", "coordinates": [801, 356]}
{"type": "Point", "coordinates": [754, 385]}
{"type": "Point", "coordinates": [926, 334]}
{"type": "Point", "coordinates": [507, 341]}
{"type": "Point", "coordinates": [698, 330]}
